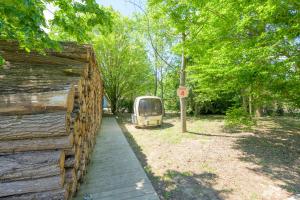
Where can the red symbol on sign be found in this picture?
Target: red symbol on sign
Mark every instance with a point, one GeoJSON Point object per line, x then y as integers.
{"type": "Point", "coordinates": [182, 92]}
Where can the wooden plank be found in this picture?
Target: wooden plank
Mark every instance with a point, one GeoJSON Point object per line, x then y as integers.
{"type": "Point", "coordinates": [121, 170]}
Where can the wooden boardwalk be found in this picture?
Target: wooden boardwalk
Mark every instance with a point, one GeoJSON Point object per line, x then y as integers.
{"type": "Point", "coordinates": [114, 172]}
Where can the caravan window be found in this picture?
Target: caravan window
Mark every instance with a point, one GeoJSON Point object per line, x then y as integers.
{"type": "Point", "coordinates": [150, 107]}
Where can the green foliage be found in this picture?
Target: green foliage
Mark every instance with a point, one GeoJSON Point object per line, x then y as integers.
{"type": "Point", "coordinates": [25, 22]}
{"type": "Point", "coordinates": [239, 52]}
{"type": "Point", "coordinates": [76, 20]}
{"type": "Point", "coordinates": [124, 64]}
{"type": "Point", "coordinates": [171, 83]}
{"type": "Point", "coordinates": [1, 61]}
{"type": "Point", "coordinates": [238, 117]}
{"type": "Point", "coordinates": [247, 49]}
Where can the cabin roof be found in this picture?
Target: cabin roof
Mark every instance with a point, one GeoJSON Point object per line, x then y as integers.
{"type": "Point", "coordinates": [147, 97]}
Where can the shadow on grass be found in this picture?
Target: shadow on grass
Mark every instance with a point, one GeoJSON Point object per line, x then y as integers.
{"type": "Point", "coordinates": [163, 126]}
{"type": "Point", "coordinates": [168, 116]}
{"type": "Point", "coordinates": [126, 118]}
{"type": "Point", "coordinates": [173, 184]}
{"type": "Point", "coordinates": [276, 150]}
{"type": "Point", "coordinates": [215, 135]}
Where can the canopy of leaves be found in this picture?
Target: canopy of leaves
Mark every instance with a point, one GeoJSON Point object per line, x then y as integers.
{"type": "Point", "coordinates": [246, 50]}
{"type": "Point", "coordinates": [24, 21]}
{"type": "Point", "coordinates": [123, 63]}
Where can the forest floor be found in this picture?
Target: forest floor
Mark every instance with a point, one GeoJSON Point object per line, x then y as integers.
{"type": "Point", "coordinates": [209, 163]}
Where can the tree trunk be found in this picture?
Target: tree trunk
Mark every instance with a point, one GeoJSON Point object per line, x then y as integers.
{"type": "Point", "coordinates": [258, 112]}
{"type": "Point", "coordinates": [113, 107]}
{"type": "Point", "coordinates": [244, 100]}
{"type": "Point", "coordinates": [156, 76]}
{"type": "Point", "coordinates": [162, 87]}
{"type": "Point", "coordinates": [250, 105]}
{"type": "Point", "coordinates": [182, 83]}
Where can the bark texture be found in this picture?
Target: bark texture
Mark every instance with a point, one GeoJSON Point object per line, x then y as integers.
{"type": "Point", "coordinates": [50, 112]}
{"type": "Point", "coordinates": [31, 165]}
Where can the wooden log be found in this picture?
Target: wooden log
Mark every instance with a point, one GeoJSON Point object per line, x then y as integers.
{"type": "Point", "coordinates": [70, 176]}
{"type": "Point", "coordinates": [30, 165]}
{"type": "Point", "coordinates": [74, 187]}
{"type": "Point", "coordinates": [67, 188]}
{"type": "Point", "coordinates": [71, 179]}
{"type": "Point", "coordinates": [70, 52]}
{"type": "Point", "coordinates": [29, 103]}
{"type": "Point", "coordinates": [69, 162]}
{"type": "Point", "coordinates": [77, 157]}
{"type": "Point", "coordinates": [33, 126]}
{"type": "Point", "coordinates": [35, 58]}
{"type": "Point", "coordinates": [30, 186]}
{"type": "Point", "coordinates": [59, 194]}
{"type": "Point", "coordinates": [24, 78]}
{"type": "Point", "coordinates": [68, 82]}
{"type": "Point", "coordinates": [11, 146]}
{"type": "Point", "coordinates": [70, 99]}
{"type": "Point", "coordinates": [73, 51]}
{"type": "Point", "coordinates": [70, 151]}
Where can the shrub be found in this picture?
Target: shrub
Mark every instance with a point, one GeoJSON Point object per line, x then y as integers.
{"type": "Point", "coordinates": [238, 118]}
{"type": "Point", "coordinates": [1, 62]}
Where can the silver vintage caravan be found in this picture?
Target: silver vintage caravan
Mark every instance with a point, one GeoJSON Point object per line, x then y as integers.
{"type": "Point", "coordinates": [148, 111]}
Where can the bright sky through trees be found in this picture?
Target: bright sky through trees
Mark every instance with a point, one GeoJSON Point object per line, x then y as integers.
{"type": "Point", "coordinates": [123, 6]}
{"type": "Point", "coordinates": [240, 55]}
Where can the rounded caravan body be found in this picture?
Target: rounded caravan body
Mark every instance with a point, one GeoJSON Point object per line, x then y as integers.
{"type": "Point", "coordinates": [148, 111]}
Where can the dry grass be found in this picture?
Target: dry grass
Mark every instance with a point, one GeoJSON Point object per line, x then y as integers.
{"type": "Point", "coordinates": [208, 163]}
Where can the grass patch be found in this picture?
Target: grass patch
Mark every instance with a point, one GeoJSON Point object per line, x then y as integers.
{"type": "Point", "coordinates": [188, 165]}
{"type": "Point", "coordinates": [207, 168]}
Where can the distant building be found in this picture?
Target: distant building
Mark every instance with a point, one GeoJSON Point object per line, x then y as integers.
{"type": "Point", "coordinates": [106, 104]}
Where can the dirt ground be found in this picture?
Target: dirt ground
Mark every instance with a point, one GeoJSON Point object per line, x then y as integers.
{"type": "Point", "coordinates": [209, 163]}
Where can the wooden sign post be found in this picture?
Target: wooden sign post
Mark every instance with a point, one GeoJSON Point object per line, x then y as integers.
{"type": "Point", "coordinates": [182, 92]}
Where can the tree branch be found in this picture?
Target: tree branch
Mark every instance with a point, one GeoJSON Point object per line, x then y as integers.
{"type": "Point", "coordinates": [150, 37]}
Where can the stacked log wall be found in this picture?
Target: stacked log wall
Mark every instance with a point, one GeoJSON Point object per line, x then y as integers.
{"type": "Point", "coordinates": [50, 112]}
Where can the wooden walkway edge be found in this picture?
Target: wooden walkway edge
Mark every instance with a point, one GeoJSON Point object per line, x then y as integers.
{"type": "Point", "coordinates": [114, 172]}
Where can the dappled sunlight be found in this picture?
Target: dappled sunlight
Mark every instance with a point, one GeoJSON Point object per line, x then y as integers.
{"type": "Point", "coordinates": [275, 151]}
{"type": "Point", "coordinates": [213, 87]}
{"type": "Point", "coordinates": [208, 163]}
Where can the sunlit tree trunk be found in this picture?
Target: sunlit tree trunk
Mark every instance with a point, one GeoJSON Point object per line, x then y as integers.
{"type": "Point", "coordinates": [156, 76]}
{"type": "Point", "coordinates": [250, 105]}
{"type": "Point", "coordinates": [182, 83]}
{"type": "Point", "coordinates": [162, 86]}
{"type": "Point", "coordinates": [244, 100]}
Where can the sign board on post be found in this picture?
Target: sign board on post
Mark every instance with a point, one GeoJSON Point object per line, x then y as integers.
{"type": "Point", "coordinates": [182, 92]}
